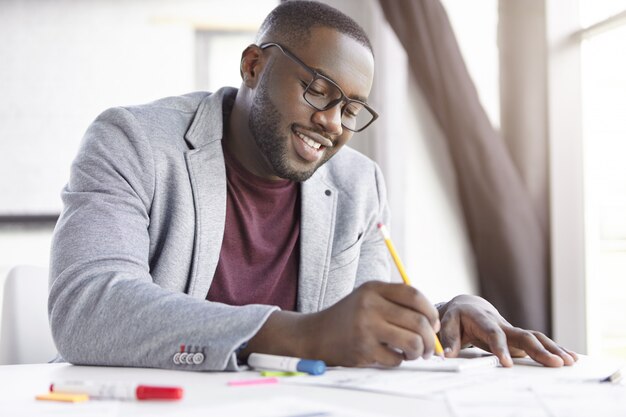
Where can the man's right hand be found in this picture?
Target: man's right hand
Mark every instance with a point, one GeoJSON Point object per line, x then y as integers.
{"type": "Point", "coordinates": [377, 324]}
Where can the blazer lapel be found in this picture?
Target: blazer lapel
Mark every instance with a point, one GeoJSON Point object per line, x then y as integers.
{"type": "Point", "coordinates": [207, 174]}
{"type": "Point", "coordinates": [317, 223]}
{"type": "Point", "coordinates": [208, 181]}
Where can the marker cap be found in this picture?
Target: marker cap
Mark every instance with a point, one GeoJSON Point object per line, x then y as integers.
{"type": "Point", "coordinates": [145, 392]}
{"type": "Point", "coordinates": [311, 366]}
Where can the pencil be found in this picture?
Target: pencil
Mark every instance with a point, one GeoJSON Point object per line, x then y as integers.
{"type": "Point", "coordinates": [403, 274]}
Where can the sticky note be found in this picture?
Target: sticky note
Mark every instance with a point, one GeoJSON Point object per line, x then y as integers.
{"type": "Point", "coordinates": [63, 397]}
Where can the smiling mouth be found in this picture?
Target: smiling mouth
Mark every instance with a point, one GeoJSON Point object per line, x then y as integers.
{"type": "Point", "coordinates": [310, 142]}
{"type": "Point", "coordinates": [313, 140]}
{"type": "Point", "coordinates": [310, 145]}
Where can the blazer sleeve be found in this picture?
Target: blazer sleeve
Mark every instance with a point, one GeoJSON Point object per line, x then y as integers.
{"type": "Point", "coordinates": [104, 307]}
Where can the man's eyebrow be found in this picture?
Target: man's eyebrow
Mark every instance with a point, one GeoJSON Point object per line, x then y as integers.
{"type": "Point", "coordinates": [359, 98]}
{"type": "Point", "coordinates": [322, 72]}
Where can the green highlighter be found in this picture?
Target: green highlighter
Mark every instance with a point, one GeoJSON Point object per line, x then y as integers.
{"type": "Point", "coordinates": [282, 373]}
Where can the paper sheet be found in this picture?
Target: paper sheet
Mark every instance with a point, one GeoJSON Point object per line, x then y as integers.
{"type": "Point", "coordinates": [436, 364]}
{"type": "Point", "coordinates": [275, 407]}
{"type": "Point", "coordinates": [57, 409]}
{"type": "Point", "coordinates": [533, 392]}
{"type": "Point", "coordinates": [525, 398]}
{"type": "Point", "coordinates": [399, 381]}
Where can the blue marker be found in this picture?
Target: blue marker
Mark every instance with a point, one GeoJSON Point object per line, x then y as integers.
{"type": "Point", "coordinates": [266, 362]}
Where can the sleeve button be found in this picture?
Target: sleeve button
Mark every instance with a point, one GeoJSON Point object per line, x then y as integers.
{"type": "Point", "coordinates": [198, 358]}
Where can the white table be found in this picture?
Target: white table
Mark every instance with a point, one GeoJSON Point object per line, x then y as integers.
{"type": "Point", "coordinates": [20, 383]}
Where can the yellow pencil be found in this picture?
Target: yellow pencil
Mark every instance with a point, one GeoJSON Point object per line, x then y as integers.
{"type": "Point", "coordinates": [405, 277]}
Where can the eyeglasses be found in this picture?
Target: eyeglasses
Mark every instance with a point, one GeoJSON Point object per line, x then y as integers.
{"type": "Point", "coordinates": [322, 93]}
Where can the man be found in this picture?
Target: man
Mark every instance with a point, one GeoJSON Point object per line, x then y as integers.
{"type": "Point", "coordinates": [201, 228]}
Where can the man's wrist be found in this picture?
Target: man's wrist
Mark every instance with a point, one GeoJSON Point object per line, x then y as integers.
{"type": "Point", "coordinates": [284, 333]}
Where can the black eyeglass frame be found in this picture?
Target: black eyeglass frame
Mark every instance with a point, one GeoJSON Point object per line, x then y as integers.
{"type": "Point", "coordinates": [317, 75]}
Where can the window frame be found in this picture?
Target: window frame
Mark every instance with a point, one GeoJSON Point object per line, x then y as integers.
{"type": "Point", "coordinates": [570, 290]}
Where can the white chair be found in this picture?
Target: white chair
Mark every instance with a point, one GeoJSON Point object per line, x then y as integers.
{"type": "Point", "coordinates": [25, 335]}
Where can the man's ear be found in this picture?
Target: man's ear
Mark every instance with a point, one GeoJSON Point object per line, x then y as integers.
{"type": "Point", "coordinates": [251, 64]}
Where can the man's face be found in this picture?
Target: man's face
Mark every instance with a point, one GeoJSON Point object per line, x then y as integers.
{"type": "Point", "coordinates": [294, 138]}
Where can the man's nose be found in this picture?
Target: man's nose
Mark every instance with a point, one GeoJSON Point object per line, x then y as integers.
{"type": "Point", "coordinates": [329, 119]}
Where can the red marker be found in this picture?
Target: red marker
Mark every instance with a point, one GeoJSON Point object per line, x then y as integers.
{"type": "Point", "coordinates": [118, 391]}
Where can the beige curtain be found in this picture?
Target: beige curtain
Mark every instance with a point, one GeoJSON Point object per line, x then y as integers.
{"type": "Point", "coordinates": [510, 247]}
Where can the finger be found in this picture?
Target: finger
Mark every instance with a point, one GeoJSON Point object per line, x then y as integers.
{"type": "Point", "coordinates": [411, 344]}
{"type": "Point", "coordinates": [528, 342]}
{"type": "Point", "coordinates": [450, 334]}
{"type": "Point", "coordinates": [490, 334]}
{"type": "Point", "coordinates": [397, 325]}
{"type": "Point", "coordinates": [573, 354]}
{"type": "Point", "coordinates": [552, 347]}
{"type": "Point", "coordinates": [517, 353]}
{"type": "Point", "coordinates": [387, 356]}
{"type": "Point", "coordinates": [417, 325]}
{"type": "Point", "coordinates": [412, 298]}
{"type": "Point", "coordinates": [405, 318]}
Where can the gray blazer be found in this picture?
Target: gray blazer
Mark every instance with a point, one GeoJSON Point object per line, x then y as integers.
{"type": "Point", "coordinates": [138, 241]}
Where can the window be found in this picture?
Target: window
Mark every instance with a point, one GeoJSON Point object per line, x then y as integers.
{"type": "Point", "coordinates": [587, 95]}
{"type": "Point", "coordinates": [475, 25]}
{"type": "Point", "coordinates": [603, 79]}
{"type": "Point", "coordinates": [218, 54]}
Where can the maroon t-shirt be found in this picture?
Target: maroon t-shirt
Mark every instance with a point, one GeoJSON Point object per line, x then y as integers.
{"type": "Point", "coordinates": [260, 253]}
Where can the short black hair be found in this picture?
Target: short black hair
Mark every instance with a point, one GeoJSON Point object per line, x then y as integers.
{"type": "Point", "coordinates": [292, 21]}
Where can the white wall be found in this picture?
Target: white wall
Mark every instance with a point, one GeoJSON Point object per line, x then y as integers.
{"type": "Point", "coordinates": [65, 61]}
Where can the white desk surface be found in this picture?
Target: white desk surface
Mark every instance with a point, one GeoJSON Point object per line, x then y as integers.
{"type": "Point", "coordinates": [20, 383]}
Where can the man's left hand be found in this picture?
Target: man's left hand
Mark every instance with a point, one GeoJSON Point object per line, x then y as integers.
{"type": "Point", "coordinates": [468, 319]}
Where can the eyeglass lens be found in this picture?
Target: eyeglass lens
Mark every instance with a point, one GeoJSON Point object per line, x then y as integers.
{"type": "Point", "coordinates": [322, 94]}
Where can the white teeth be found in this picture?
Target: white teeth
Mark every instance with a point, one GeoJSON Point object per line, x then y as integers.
{"type": "Point", "coordinates": [309, 141]}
